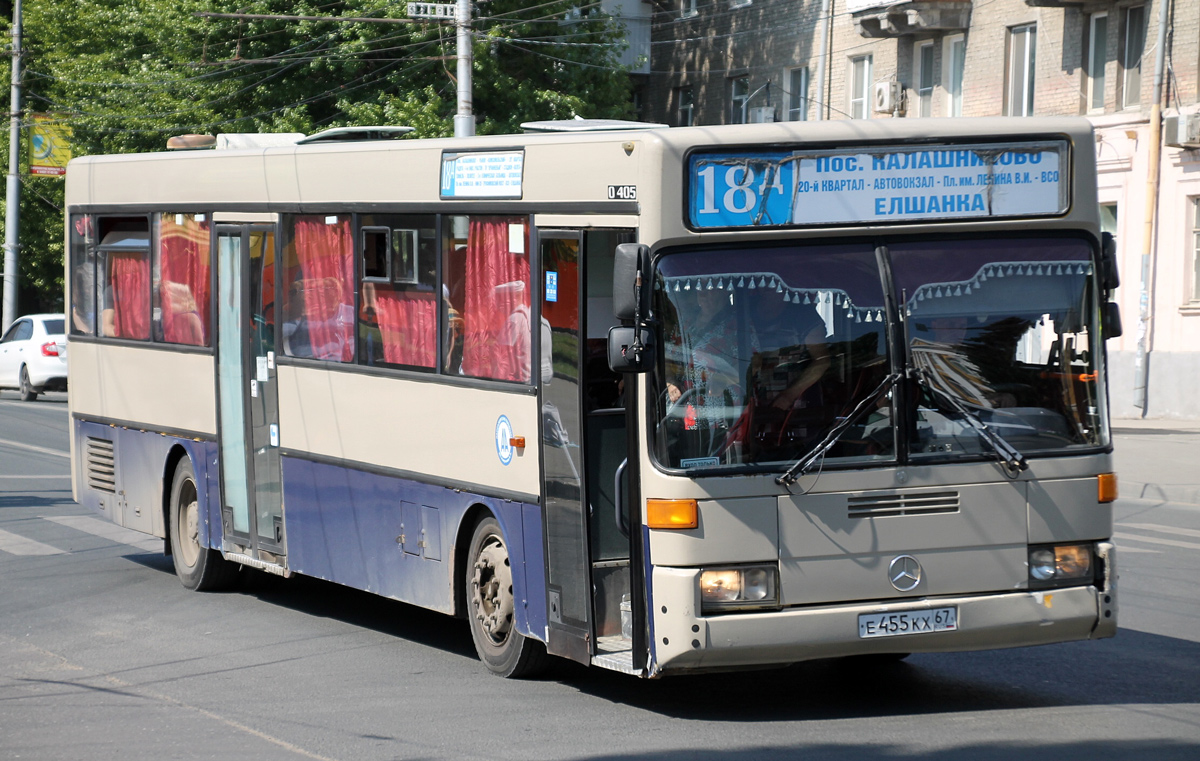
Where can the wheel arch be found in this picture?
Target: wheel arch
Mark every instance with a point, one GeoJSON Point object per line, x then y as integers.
{"type": "Point", "coordinates": [462, 546]}
{"type": "Point", "coordinates": [174, 455]}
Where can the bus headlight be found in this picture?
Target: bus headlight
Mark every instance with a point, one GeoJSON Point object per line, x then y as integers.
{"type": "Point", "coordinates": [1060, 564]}
{"type": "Point", "coordinates": [740, 588]}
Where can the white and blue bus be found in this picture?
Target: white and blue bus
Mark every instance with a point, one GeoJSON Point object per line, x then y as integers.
{"type": "Point", "coordinates": [655, 400]}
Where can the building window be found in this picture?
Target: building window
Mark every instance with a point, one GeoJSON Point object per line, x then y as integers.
{"type": "Point", "coordinates": [1131, 61]}
{"type": "Point", "coordinates": [1195, 249]}
{"type": "Point", "coordinates": [739, 95]}
{"type": "Point", "coordinates": [923, 59]}
{"type": "Point", "coordinates": [954, 53]}
{"type": "Point", "coordinates": [797, 95]}
{"type": "Point", "coordinates": [1022, 54]}
{"type": "Point", "coordinates": [860, 87]}
{"type": "Point", "coordinates": [1097, 45]}
{"type": "Point", "coordinates": [1108, 218]}
{"type": "Point", "coordinates": [685, 115]}
{"type": "Point", "coordinates": [687, 9]}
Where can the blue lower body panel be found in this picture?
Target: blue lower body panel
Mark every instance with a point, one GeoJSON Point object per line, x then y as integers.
{"type": "Point", "coordinates": [398, 537]}
{"type": "Point", "coordinates": [391, 536]}
{"type": "Point", "coordinates": [142, 471]}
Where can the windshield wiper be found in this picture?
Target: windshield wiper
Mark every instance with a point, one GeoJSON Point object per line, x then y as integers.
{"type": "Point", "coordinates": [803, 464]}
{"type": "Point", "coordinates": [1009, 456]}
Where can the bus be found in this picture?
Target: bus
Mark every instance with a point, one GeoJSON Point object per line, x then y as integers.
{"type": "Point", "coordinates": [657, 400]}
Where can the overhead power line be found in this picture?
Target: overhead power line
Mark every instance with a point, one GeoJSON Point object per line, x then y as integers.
{"type": "Point", "coordinates": [341, 19]}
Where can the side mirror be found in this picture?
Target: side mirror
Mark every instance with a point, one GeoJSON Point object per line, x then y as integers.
{"type": "Point", "coordinates": [1109, 277]}
{"type": "Point", "coordinates": [1110, 320]}
{"type": "Point", "coordinates": [626, 356]}
{"type": "Point", "coordinates": [631, 282]}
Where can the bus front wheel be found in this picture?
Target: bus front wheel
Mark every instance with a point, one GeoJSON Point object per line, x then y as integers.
{"type": "Point", "coordinates": [198, 567]}
{"type": "Point", "coordinates": [491, 607]}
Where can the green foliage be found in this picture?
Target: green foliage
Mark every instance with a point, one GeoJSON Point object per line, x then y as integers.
{"type": "Point", "coordinates": [128, 74]}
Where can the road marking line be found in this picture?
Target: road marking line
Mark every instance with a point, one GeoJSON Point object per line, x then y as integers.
{"type": "Point", "coordinates": [82, 683]}
{"type": "Point", "coordinates": [15, 544]}
{"type": "Point", "coordinates": [1156, 540]}
{"type": "Point", "coordinates": [1126, 548]}
{"type": "Point", "coordinates": [1161, 528]}
{"type": "Point", "coordinates": [32, 448]}
{"type": "Point", "coordinates": [110, 531]}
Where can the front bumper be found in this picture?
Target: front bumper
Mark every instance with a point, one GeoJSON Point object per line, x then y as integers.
{"type": "Point", "coordinates": [683, 640]}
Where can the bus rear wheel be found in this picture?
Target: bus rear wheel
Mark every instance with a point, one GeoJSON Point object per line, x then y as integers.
{"type": "Point", "coordinates": [198, 567]}
{"type": "Point", "coordinates": [491, 607]}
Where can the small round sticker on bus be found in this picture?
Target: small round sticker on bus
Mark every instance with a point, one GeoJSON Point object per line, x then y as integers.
{"type": "Point", "coordinates": [504, 448]}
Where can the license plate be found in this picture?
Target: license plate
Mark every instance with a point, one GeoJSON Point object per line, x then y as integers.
{"type": "Point", "coordinates": [907, 622]}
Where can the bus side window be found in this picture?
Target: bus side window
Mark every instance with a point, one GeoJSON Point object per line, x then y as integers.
{"type": "Point", "coordinates": [486, 298]}
{"type": "Point", "coordinates": [182, 278]}
{"type": "Point", "coordinates": [397, 319]}
{"type": "Point", "coordinates": [319, 297]}
{"type": "Point", "coordinates": [123, 271]}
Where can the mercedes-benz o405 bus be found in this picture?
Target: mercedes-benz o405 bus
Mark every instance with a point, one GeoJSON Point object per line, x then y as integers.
{"type": "Point", "coordinates": [655, 400]}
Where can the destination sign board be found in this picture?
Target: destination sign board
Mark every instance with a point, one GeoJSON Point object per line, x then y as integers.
{"type": "Point", "coordinates": [482, 174]}
{"type": "Point", "coordinates": [869, 185]}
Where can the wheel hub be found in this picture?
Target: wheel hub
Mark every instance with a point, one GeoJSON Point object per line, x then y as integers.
{"type": "Point", "coordinates": [491, 590]}
{"type": "Point", "coordinates": [190, 541]}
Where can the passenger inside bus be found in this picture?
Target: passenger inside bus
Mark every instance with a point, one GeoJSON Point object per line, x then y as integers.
{"type": "Point", "coordinates": [319, 324]}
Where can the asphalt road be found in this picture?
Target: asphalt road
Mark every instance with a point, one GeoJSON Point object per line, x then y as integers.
{"type": "Point", "coordinates": [103, 655]}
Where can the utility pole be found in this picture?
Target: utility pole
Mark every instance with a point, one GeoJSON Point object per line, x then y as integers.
{"type": "Point", "coordinates": [464, 118]}
{"type": "Point", "coordinates": [12, 214]}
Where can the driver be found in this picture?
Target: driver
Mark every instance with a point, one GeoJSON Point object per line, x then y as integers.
{"type": "Point", "coordinates": [788, 335]}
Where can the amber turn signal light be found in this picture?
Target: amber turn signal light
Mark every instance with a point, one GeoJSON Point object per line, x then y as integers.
{"type": "Point", "coordinates": [517, 442]}
{"type": "Point", "coordinates": [672, 513]}
{"type": "Point", "coordinates": [1106, 487]}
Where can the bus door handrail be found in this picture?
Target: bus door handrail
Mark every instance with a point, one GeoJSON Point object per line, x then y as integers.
{"type": "Point", "coordinates": [618, 505]}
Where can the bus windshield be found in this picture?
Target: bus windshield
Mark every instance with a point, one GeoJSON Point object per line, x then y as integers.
{"type": "Point", "coordinates": [765, 349]}
{"type": "Point", "coordinates": [1007, 328]}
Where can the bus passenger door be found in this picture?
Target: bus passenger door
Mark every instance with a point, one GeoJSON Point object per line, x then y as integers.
{"type": "Point", "coordinates": [251, 505]}
{"type": "Point", "coordinates": [583, 444]}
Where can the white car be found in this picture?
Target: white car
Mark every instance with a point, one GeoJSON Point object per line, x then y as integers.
{"type": "Point", "coordinates": [33, 355]}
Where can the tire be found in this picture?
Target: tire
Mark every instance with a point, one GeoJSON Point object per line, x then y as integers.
{"type": "Point", "coordinates": [199, 568]}
{"type": "Point", "coordinates": [490, 608]}
{"type": "Point", "coordinates": [26, 389]}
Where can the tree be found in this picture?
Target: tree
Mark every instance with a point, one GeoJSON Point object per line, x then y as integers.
{"type": "Point", "coordinates": [128, 74]}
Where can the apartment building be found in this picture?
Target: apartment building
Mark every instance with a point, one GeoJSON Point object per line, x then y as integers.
{"type": "Point", "coordinates": [732, 61]}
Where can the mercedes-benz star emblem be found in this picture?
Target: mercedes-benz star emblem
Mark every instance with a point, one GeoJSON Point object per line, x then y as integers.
{"type": "Point", "coordinates": [904, 573]}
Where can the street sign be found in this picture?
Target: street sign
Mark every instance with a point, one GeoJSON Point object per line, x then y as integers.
{"type": "Point", "coordinates": [431, 10]}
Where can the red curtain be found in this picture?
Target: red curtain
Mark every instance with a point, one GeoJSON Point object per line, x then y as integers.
{"type": "Point", "coordinates": [496, 323]}
{"type": "Point", "coordinates": [185, 280]}
{"type": "Point", "coordinates": [408, 324]}
{"type": "Point", "coordinates": [325, 260]}
{"type": "Point", "coordinates": [130, 282]}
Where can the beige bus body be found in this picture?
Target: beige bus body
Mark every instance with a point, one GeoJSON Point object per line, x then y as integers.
{"type": "Point", "coordinates": [832, 566]}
